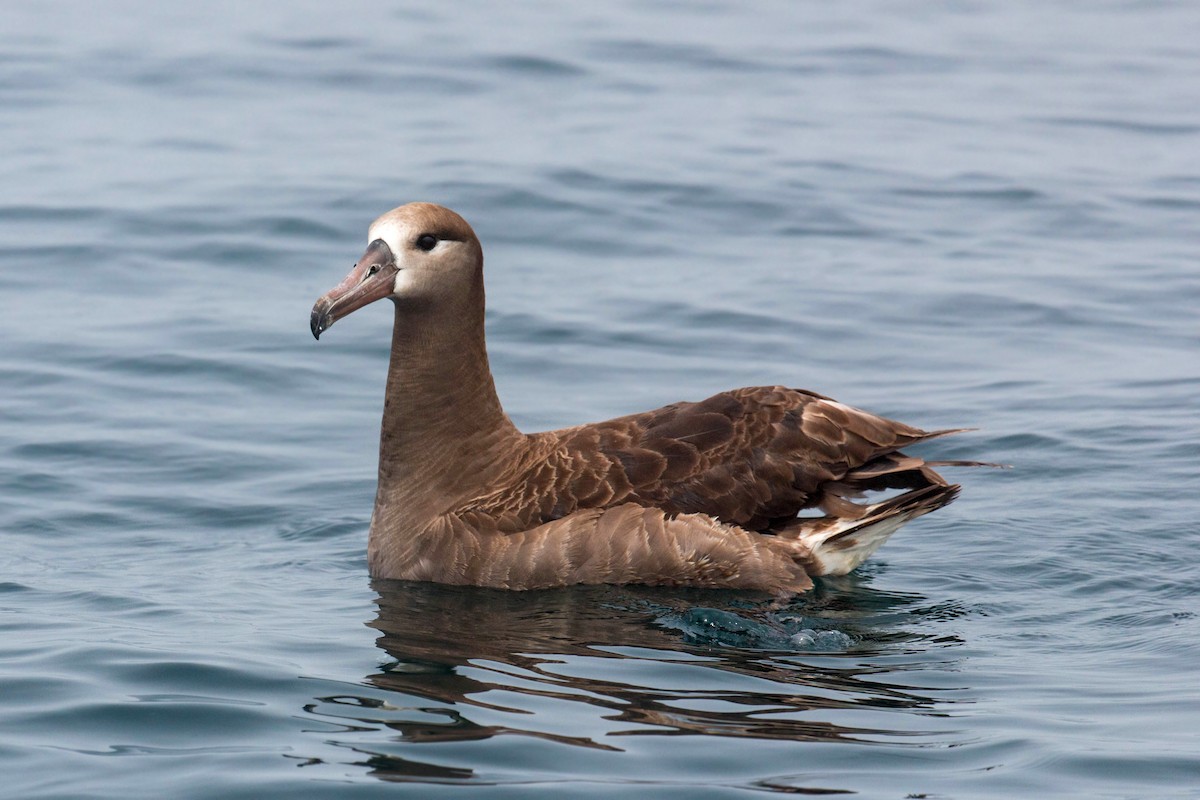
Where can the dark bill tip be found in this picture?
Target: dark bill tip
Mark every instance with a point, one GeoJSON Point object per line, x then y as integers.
{"type": "Point", "coordinates": [318, 323]}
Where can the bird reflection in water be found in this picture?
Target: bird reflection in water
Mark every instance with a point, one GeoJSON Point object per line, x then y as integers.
{"type": "Point", "coordinates": [467, 663]}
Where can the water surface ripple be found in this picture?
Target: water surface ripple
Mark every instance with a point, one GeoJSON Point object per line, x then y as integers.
{"type": "Point", "coordinates": [976, 214]}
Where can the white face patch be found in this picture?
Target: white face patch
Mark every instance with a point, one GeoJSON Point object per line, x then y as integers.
{"type": "Point", "coordinates": [404, 280]}
{"type": "Point", "coordinates": [393, 234]}
{"type": "Point", "coordinates": [424, 269]}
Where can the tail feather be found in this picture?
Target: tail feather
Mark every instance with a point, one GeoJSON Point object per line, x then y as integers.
{"type": "Point", "coordinates": [850, 532]}
{"type": "Point", "coordinates": [835, 545]}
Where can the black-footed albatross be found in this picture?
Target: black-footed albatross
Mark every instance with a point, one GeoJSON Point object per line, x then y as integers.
{"type": "Point", "coordinates": [705, 494]}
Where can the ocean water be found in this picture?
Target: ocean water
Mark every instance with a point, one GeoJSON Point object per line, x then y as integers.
{"type": "Point", "coordinates": [974, 213]}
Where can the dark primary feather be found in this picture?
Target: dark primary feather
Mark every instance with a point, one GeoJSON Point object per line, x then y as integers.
{"type": "Point", "coordinates": [754, 457]}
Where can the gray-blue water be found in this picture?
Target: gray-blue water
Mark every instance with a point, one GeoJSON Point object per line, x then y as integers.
{"type": "Point", "coordinates": [957, 214]}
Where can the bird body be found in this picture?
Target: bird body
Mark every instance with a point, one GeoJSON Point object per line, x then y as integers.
{"type": "Point", "coordinates": [751, 488]}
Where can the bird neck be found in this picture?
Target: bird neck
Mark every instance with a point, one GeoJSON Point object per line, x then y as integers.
{"type": "Point", "coordinates": [444, 429]}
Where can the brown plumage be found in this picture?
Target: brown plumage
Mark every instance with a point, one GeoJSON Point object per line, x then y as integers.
{"type": "Point", "coordinates": [751, 488]}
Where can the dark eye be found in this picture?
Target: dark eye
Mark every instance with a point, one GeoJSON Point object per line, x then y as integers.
{"type": "Point", "coordinates": [427, 241]}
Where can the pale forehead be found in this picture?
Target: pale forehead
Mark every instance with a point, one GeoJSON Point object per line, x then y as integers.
{"type": "Point", "coordinates": [394, 225]}
{"type": "Point", "coordinates": [415, 219]}
{"type": "Point", "coordinates": [389, 228]}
